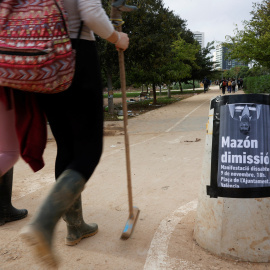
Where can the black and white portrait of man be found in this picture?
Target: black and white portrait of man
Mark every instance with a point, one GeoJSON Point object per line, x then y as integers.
{"type": "Point", "coordinates": [244, 145]}
{"type": "Point", "coordinates": [245, 114]}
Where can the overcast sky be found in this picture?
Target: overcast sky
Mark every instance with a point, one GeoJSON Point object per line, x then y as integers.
{"type": "Point", "coordinates": [216, 18]}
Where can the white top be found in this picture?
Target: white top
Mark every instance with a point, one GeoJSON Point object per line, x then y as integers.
{"type": "Point", "coordinates": [93, 16]}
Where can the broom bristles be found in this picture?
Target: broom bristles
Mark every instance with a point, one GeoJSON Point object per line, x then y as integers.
{"type": "Point", "coordinates": [130, 224]}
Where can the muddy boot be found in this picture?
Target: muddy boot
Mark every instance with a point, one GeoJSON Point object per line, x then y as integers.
{"type": "Point", "coordinates": [7, 212]}
{"type": "Point", "coordinates": [77, 229]}
{"type": "Point", "coordinates": [39, 233]}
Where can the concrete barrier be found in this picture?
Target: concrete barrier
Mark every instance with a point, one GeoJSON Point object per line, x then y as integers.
{"type": "Point", "coordinates": [229, 227]}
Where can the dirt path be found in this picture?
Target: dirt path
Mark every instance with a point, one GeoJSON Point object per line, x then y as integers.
{"type": "Point", "coordinates": [167, 147]}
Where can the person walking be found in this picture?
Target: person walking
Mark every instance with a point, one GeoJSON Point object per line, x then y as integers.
{"type": "Point", "coordinates": [229, 86]}
{"type": "Point", "coordinates": [76, 120]}
{"type": "Point", "coordinates": [223, 85]}
{"type": "Point", "coordinates": [239, 83]}
{"type": "Point", "coordinates": [233, 85]}
{"type": "Point", "coordinates": [205, 84]}
{"type": "Point", "coordinates": [22, 133]}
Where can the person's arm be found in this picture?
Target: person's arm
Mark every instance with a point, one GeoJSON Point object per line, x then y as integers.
{"type": "Point", "coordinates": [120, 40]}
{"type": "Point", "coordinates": [95, 17]}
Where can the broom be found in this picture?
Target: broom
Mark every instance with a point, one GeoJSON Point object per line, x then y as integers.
{"type": "Point", "coordinates": [116, 17]}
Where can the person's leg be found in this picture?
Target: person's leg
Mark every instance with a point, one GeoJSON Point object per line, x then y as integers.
{"type": "Point", "coordinates": [39, 233]}
{"type": "Point", "coordinates": [56, 109]}
{"type": "Point", "coordinates": [77, 229]}
{"type": "Point", "coordinates": [8, 213]}
{"type": "Point", "coordinates": [87, 111]}
{"type": "Point", "coordinates": [59, 117]}
{"type": "Point", "coordinates": [76, 120]}
{"type": "Point", "coordinates": [9, 145]}
{"type": "Point", "coordinates": [9, 154]}
{"type": "Point", "coordinates": [223, 90]}
{"type": "Point", "coordinates": [76, 116]}
{"type": "Point", "coordinates": [86, 116]}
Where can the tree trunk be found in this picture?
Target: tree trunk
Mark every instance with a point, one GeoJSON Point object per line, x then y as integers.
{"type": "Point", "coordinates": [110, 94]}
{"type": "Point", "coordinates": [154, 94]}
{"type": "Point", "coordinates": [169, 91]}
{"type": "Point", "coordinates": [193, 82]}
{"type": "Point", "coordinates": [181, 88]}
{"type": "Point", "coordinates": [160, 91]}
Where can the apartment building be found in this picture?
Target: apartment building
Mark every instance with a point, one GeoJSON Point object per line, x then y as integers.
{"type": "Point", "coordinates": [199, 36]}
{"type": "Point", "coordinates": [222, 62]}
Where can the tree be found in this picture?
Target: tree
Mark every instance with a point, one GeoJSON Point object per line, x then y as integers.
{"type": "Point", "coordinates": [258, 71]}
{"type": "Point", "coordinates": [253, 43]}
{"type": "Point", "coordinates": [182, 60]}
{"type": "Point", "coordinates": [204, 64]}
{"type": "Point", "coordinates": [237, 72]}
{"type": "Point", "coordinates": [153, 30]}
{"type": "Point", "coordinates": [151, 58]}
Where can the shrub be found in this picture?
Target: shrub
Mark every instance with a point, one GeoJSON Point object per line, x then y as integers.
{"type": "Point", "coordinates": [257, 85]}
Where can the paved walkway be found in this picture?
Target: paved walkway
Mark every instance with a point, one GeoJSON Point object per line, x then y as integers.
{"type": "Point", "coordinates": [167, 146]}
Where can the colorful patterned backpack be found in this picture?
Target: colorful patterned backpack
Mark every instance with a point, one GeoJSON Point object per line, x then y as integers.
{"type": "Point", "coordinates": [35, 49]}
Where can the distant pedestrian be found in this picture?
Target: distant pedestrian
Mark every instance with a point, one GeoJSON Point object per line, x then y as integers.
{"type": "Point", "coordinates": [205, 84]}
{"type": "Point", "coordinates": [229, 86]}
{"type": "Point", "coordinates": [239, 84]}
{"type": "Point", "coordinates": [223, 86]}
{"type": "Point", "coordinates": [233, 85]}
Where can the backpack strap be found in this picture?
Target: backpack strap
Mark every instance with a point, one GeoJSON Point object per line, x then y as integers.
{"type": "Point", "coordinates": [79, 34]}
{"type": "Point", "coordinates": [64, 20]}
{"type": "Point", "coordinates": [80, 30]}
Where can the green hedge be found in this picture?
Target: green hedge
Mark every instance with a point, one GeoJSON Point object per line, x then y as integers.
{"type": "Point", "coordinates": [257, 84]}
{"type": "Point", "coordinates": [186, 86]}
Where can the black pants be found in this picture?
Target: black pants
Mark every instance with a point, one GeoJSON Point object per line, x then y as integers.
{"type": "Point", "coordinates": [76, 115]}
{"type": "Point", "coordinates": [223, 89]}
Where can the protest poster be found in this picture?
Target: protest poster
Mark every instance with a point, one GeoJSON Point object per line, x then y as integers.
{"type": "Point", "coordinates": [240, 166]}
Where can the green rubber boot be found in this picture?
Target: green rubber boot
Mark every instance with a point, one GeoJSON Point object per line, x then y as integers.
{"type": "Point", "coordinates": [77, 229]}
{"type": "Point", "coordinates": [39, 233]}
{"type": "Point", "coordinates": [8, 213]}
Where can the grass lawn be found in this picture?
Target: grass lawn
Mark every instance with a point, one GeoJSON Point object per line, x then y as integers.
{"type": "Point", "coordinates": [137, 107]}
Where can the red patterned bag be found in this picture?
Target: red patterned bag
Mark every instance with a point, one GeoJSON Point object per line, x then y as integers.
{"type": "Point", "coordinates": [35, 49]}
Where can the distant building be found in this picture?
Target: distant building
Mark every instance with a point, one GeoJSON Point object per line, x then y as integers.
{"type": "Point", "coordinates": [219, 57]}
{"type": "Point", "coordinates": [224, 63]}
{"type": "Point", "coordinates": [214, 59]}
{"type": "Point", "coordinates": [199, 36]}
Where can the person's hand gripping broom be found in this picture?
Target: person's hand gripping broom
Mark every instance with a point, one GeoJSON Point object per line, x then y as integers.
{"type": "Point", "coordinates": [116, 17]}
